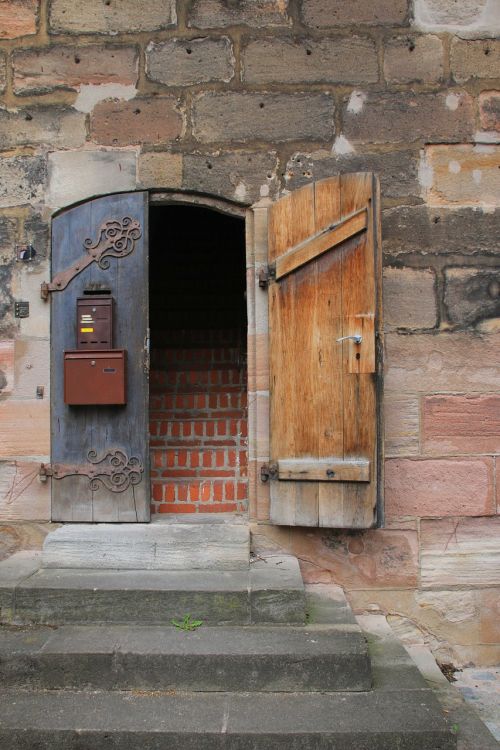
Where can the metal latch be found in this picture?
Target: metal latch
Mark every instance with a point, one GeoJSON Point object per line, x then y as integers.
{"type": "Point", "coordinates": [266, 275]}
{"type": "Point", "coordinates": [268, 471]}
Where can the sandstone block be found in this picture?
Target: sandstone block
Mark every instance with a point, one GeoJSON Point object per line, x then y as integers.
{"type": "Point", "coordinates": [413, 58]}
{"type": "Point", "coordinates": [23, 179]}
{"type": "Point", "coordinates": [380, 558]}
{"type": "Point", "coordinates": [22, 498]}
{"type": "Point", "coordinates": [160, 169]}
{"type": "Point", "coordinates": [206, 14]}
{"type": "Point", "coordinates": [229, 117]}
{"type": "Point", "coordinates": [404, 117]}
{"type": "Point", "coordinates": [489, 109]}
{"type": "Point", "coordinates": [401, 425]}
{"type": "Point", "coordinates": [18, 18]}
{"type": "Point", "coordinates": [438, 230]}
{"type": "Point", "coordinates": [474, 59]}
{"type": "Point", "coordinates": [461, 552]}
{"type": "Point", "coordinates": [490, 616]}
{"type": "Point", "coordinates": [328, 13]}
{"type": "Point", "coordinates": [443, 362]}
{"type": "Point", "coordinates": [183, 62]}
{"type": "Point", "coordinates": [472, 295]}
{"type": "Point", "coordinates": [32, 367]}
{"type": "Point", "coordinates": [59, 127]}
{"type": "Point", "coordinates": [99, 172]}
{"type": "Point", "coordinates": [461, 424]}
{"type": "Point", "coordinates": [398, 170]}
{"type": "Point", "coordinates": [3, 72]}
{"type": "Point", "coordinates": [97, 17]}
{"type": "Point", "coordinates": [40, 70]}
{"type": "Point", "coordinates": [121, 123]}
{"type": "Point", "coordinates": [6, 366]}
{"type": "Point", "coordinates": [463, 175]}
{"type": "Point", "coordinates": [446, 487]}
{"type": "Point", "coordinates": [477, 18]}
{"type": "Point", "coordinates": [24, 428]}
{"type": "Point", "coordinates": [409, 298]}
{"type": "Point", "coordinates": [274, 60]}
{"type": "Point", "coordinates": [237, 175]}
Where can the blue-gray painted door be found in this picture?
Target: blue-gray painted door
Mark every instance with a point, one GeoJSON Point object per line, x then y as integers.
{"type": "Point", "coordinates": [110, 441]}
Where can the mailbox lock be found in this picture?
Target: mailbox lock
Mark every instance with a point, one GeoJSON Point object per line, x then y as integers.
{"type": "Point", "coordinates": [92, 362]}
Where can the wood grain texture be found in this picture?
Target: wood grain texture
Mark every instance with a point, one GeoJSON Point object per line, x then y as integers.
{"type": "Point", "coordinates": [330, 470]}
{"type": "Point", "coordinates": [323, 396]}
{"type": "Point", "coordinates": [75, 430]}
{"type": "Point", "coordinates": [320, 243]}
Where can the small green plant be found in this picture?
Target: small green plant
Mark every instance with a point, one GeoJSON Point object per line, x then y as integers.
{"type": "Point", "coordinates": [455, 728]}
{"type": "Point", "coordinates": [187, 623]}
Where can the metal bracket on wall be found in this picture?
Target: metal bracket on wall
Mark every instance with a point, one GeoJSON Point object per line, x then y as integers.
{"type": "Point", "coordinates": [117, 474]}
{"type": "Point", "coordinates": [268, 471]}
{"type": "Point", "coordinates": [116, 238]}
{"type": "Point", "coordinates": [266, 275]}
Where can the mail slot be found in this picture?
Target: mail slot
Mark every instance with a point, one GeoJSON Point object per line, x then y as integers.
{"type": "Point", "coordinates": [95, 377]}
{"type": "Point", "coordinates": [94, 322]}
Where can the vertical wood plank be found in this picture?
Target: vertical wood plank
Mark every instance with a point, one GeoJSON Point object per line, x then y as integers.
{"type": "Point", "coordinates": [77, 430]}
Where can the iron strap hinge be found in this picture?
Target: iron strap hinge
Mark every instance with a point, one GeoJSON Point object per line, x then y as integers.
{"type": "Point", "coordinates": [113, 470]}
{"type": "Point", "coordinates": [268, 471]}
{"type": "Point", "coordinates": [266, 275]}
{"type": "Point", "coordinates": [116, 238]}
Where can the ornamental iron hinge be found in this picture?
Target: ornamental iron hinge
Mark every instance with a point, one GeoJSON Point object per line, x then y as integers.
{"type": "Point", "coordinates": [115, 238]}
{"type": "Point", "coordinates": [266, 275]}
{"type": "Point", "coordinates": [116, 475]}
{"type": "Point", "coordinates": [268, 471]}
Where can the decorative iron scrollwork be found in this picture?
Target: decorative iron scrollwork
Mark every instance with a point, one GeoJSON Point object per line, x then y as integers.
{"type": "Point", "coordinates": [114, 470]}
{"type": "Point", "coordinates": [116, 238]}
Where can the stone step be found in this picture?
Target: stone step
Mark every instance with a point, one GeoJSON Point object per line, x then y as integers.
{"type": "Point", "coordinates": [209, 659]}
{"type": "Point", "coordinates": [271, 591]}
{"type": "Point", "coordinates": [165, 544]}
{"type": "Point", "coordinates": [138, 720]}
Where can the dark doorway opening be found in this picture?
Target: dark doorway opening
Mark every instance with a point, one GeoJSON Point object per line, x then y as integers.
{"type": "Point", "coordinates": [198, 391]}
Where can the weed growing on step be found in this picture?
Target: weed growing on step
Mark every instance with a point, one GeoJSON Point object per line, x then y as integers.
{"type": "Point", "coordinates": [187, 623]}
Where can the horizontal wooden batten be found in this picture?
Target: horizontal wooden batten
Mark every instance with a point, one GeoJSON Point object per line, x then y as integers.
{"type": "Point", "coordinates": [325, 470]}
{"type": "Point", "coordinates": [320, 243]}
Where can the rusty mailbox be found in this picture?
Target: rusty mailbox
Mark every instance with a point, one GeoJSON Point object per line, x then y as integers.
{"type": "Point", "coordinates": [94, 372]}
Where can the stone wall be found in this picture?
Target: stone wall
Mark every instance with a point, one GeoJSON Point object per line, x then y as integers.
{"type": "Point", "coordinates": [244, 100]}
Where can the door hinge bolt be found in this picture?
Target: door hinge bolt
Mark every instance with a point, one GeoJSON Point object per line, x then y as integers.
{"type": "Point", "coordinates": [268, 471]}
{"type": "Point", "coordinates": [266, 275]}
{"type": "Point", "coordinates": [45, 472]}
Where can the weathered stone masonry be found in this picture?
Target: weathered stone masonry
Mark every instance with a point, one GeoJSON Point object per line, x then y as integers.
{"type": "Point", "coordinates": [245, 100]}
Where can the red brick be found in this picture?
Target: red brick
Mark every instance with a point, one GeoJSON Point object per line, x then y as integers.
{"type": "Point", "coordinates": [194, 491]}
{"type": "Point", "coordinates": [123, 123]}
{"type": "Point", "coordinates": [157, 491]}
{"type": "Point", "coordinates": [489, 109]}
{"type": "Point", "coordinates": [461, 424]}
{"type": "Point", "coordinates": [18, 18]}
{"type": "Point", "coordinates": [439, 487]}
{"type": "Point", "coordinates": [169, 492]}
{"type": "Point", "coordinates": [230, 491]}
{"type": "Point", "coordinates": [177, 508]}
{"type": "Point", "coordinates": [242, 491]}
{"type": "Point", "coordinates": [206, 492]}
{"type": "Point", "coordinates": [49, 68]}
{"type": "Point", "coordinates": [218, 491]}
{"type": "Point", "coordinates": [221, 508]}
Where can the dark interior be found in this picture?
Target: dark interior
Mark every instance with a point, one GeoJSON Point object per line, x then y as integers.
{"type": "Point", "coordinates": [197, 277]}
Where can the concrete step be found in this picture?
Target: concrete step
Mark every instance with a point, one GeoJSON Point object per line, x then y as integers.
{"type": "Point", "coordinates": [165, 544]}
{"type": "Point", "coordinates": [137, 720]}
{"type": "Point", "coordinates": [271, 591]}
{"type": "Point", "coordinates": [209, 659]}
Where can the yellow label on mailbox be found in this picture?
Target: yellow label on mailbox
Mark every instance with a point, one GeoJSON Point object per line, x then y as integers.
{"type": "Point", "coordinates": [86, 330]}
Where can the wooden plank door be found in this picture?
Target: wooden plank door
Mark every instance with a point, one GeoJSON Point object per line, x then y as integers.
{"type": "Point", "coordinates": [100, 453]}
{"type": "Point", "coordinates": [324, 313]}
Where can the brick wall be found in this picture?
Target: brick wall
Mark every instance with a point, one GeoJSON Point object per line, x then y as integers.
{"type": "Point", "coordinates": [244, 100]}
